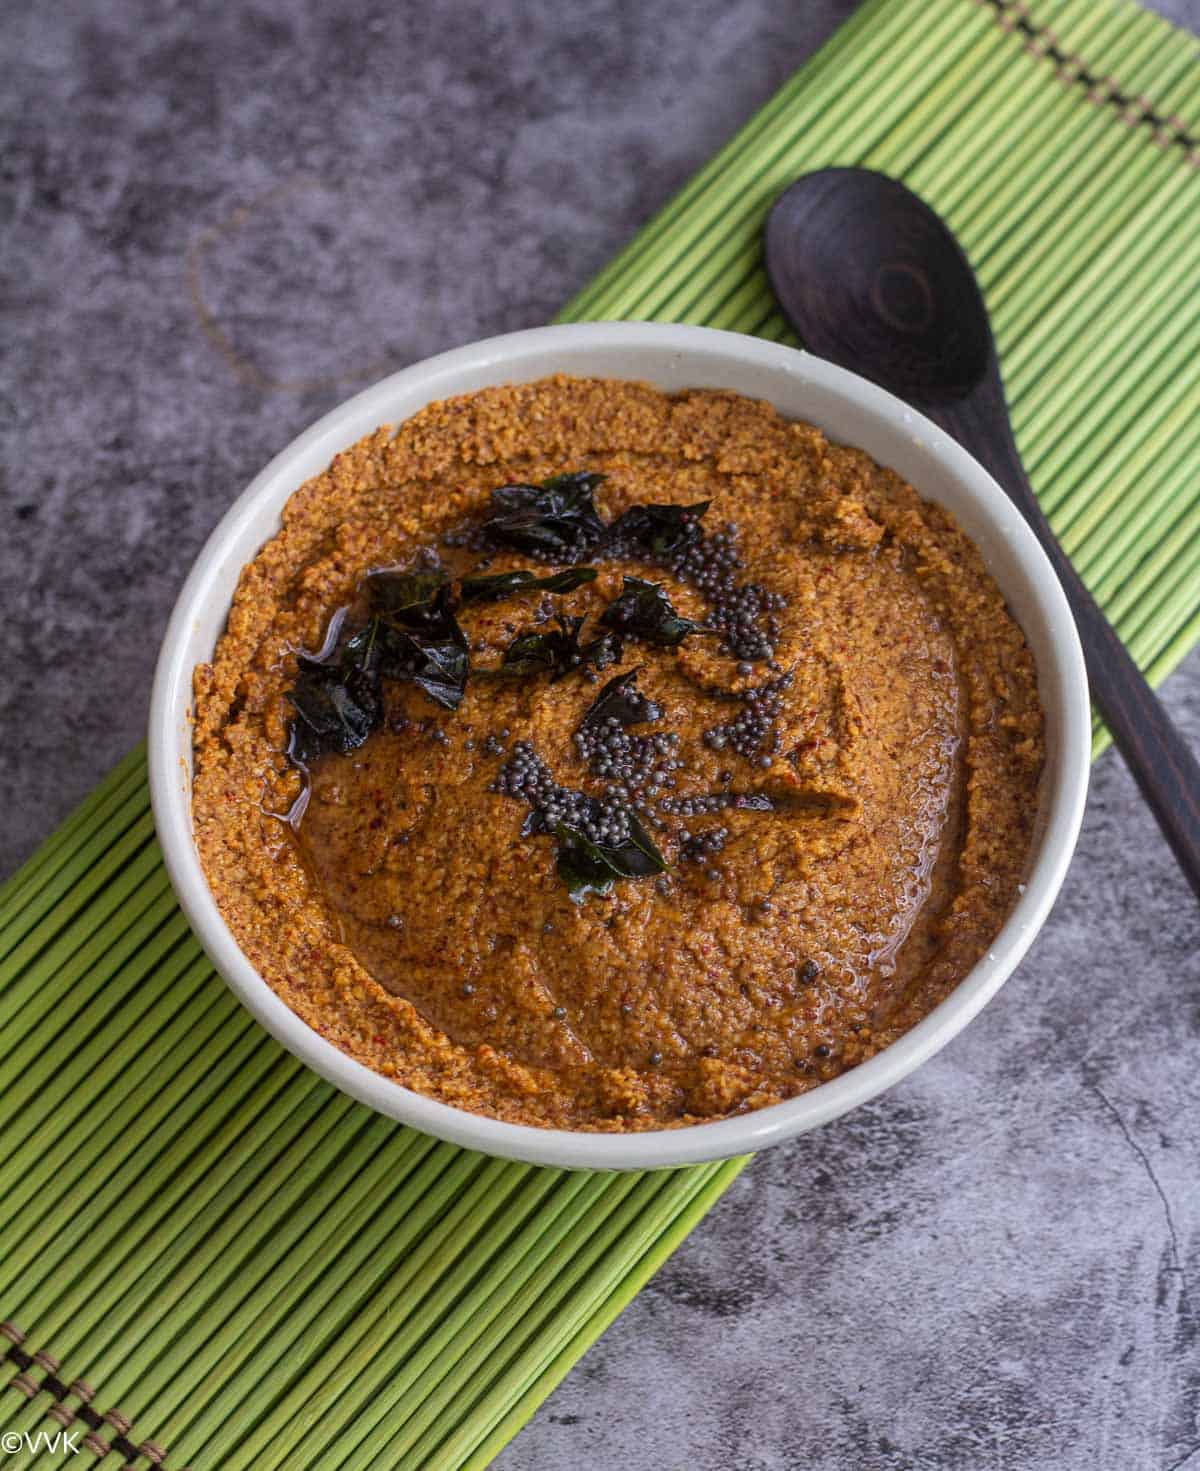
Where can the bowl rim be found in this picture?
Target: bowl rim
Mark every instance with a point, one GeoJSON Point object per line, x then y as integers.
{"type": "Point", "coordinates": [658, 1148]}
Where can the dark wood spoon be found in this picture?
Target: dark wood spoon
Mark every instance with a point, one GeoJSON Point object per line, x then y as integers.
{"type": "Point", "coordinates": [872, 279]}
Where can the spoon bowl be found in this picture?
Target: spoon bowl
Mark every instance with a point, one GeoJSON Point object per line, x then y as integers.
{"type": "Point", "coordinates": [905, 300]}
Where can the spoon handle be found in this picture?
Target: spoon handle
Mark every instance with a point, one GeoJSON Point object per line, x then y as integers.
{"type": "Point", "coordinates": [1162, 764]}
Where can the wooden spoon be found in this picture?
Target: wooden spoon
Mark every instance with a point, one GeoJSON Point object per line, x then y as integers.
{"type": "Point", "coordinates": [871, 278]}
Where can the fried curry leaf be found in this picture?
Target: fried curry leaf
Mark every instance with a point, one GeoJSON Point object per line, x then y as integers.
{"type": "Point", "coordinates": [591, 868]}
{"type": "Point", "coordinates": [555, 651]}
{"type": "Point", "coordinates": [658, 529]}
{"type": "Point", "coordinates": [620, 700]}
{"type": "Point", "coordinates": [413, 600]}
{"type": "Point", "coordinates": [412, 634]}
{"type": "Point", "coordinates": [437, 662]}
{"type": "Point", "coordinates": [337, 699]}
{"type": "Point", "coordinates": [504, 584]}
{"type": "Point", "coordinates": [567, 580]}
{"type": "Point", "coordinates": [557, 518]}
{"type": "Point", "coordinates": [644, 611]}
{"type": "Point", "coordinates": [417, 634]}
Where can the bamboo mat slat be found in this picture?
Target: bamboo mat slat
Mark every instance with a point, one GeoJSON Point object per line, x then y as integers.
{"type": "Point", "coordinates": [209, 1258]}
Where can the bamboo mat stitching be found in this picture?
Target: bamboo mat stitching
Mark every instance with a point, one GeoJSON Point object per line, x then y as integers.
{"type": "Point", "coordinates": [1137, 111]}
{"type": "Point", "coordinates": [26, 1385]}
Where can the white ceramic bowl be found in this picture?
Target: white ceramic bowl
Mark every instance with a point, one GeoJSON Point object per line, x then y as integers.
{"type": "Point", "coordinates": [849, 409]}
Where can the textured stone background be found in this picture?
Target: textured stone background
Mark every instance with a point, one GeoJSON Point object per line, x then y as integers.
{"type": "Point", "coordinates": [216, 225]}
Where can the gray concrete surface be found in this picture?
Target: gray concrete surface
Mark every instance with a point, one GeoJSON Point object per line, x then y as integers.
{"type": "Point", "coordinates": [996, 1265]}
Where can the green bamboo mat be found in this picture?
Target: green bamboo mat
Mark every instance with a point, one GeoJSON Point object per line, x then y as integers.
{"type": "Point", "coordinates": [208, 1257]}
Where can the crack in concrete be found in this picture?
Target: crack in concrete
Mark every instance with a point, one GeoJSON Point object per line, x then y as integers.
{"type": "Point", "coordinates": [1144, 1159]}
